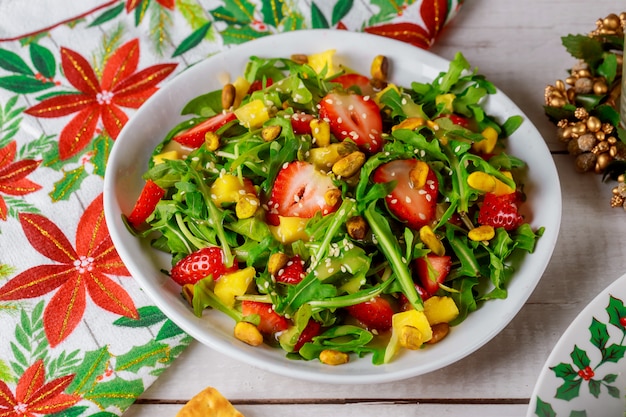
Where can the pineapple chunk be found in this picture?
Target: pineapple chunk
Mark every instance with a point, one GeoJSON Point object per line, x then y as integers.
{"type": "Point", "coordinates": [290, 229]}
{"type": "Point", "coordinates": [241, 89]}
{"type": "Point", "coordinates": [160, 158]}
{"type": "Point", "coordinates": [323, 60]}
{"type": "Point", "coordinates": [253, 114]}
{"type": "Point", "coordinates": [440, 310]}
{"type": "Point", "coordinates": [446, 100]}
{"type": "Point", "coordinates": [413, 318]}
{"type": "Point", "coordinates": [228, 188]}
{"type": "Point", "coordinates": [234, 284]}
{"type": "Point", "coordinates": [488, 144]}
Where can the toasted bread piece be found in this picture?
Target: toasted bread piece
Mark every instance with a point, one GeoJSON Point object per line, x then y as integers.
{"type": "Point", "coordinates": [209, 403]}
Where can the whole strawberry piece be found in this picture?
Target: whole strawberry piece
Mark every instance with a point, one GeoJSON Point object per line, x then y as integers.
{"type": "Point", "coordinates": [354, 117]}
{"type": "Point", "coordinates": [292, 272]}
{"type": "Point", "coordinates": [300, 190]}
{"type": "Point", "coordinates": [149, 197]}
{"type": "Point", "coordinates": [200, 264]}
{"type": "Point", "coordinates": [375, 314]}
{"type": "Point", "coordinates": [409, 202]}
{"type": "Point", "coordinates": [500, 211]}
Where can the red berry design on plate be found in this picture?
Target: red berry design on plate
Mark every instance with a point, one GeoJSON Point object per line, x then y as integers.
{"type": "Point", "coordinates": [375, 314]}
{"type": "Point", "coordinates": [414, 205]}
{"type": "Point", "coordinates": [300, 191]}
{"type": "Point", "coordinates": [500, 211]}
{"type": "Point", "coordinates": [292, 272]}
{"type": "Point", "coordinates": [271, 322]}
{"type": "Point", "coordinates": [354, 117]}
{"type": "Point", "coordinates": [149, 197]}
{"type": "Point", "coordinates": [432, 270]}
{"type": "Point", "coordinates": [200, 264]}
{"type": "Point", "coordinates": [194, 136]}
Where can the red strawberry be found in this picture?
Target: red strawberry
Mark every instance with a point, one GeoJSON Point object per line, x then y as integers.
{"type": "Point", "coordinates": [416, 206]}
{"type": "Point", "coordinates": [301, 123]}
{"type": "Point", "coordinates": [354, 117]}
{"type": "Point", "coordinates": [194, 136]}
{"type": "Point", "coordinates": [440, 268]}
{"type": "Point", "coordinates": [355, 80]}
{"type": "Point", "coordinates": [299, 191]}
{"type": "Point", "coordinates": [312, 329]}
{"type": "Point", "coordinates": [404, 302]}
{"type": "Point", "coordinates": [271, 322]}
{"type": "Point", "coordinates": [375, 314]}
{"type": "Point", "coordinates": [150, 195]}
{"type": "Point", "coordinates": [292, 272]}
{"type": "Point", "coordinates": [258, 85]}
{"type": "Point", "coordinates": [200, 264]}
{"type": "Point", "coordinates": [500, 211]}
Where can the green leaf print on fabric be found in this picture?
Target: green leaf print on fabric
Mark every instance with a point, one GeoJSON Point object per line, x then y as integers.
{"type": "Point", "coordinates": [192, 40]}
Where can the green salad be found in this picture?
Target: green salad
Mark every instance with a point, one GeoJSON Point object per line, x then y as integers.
{"type": "Point", "coordinates": [334, 214]}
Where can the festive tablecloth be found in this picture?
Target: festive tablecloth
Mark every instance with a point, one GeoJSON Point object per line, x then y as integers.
{"type": "Point", "coordinates": [77, 335]}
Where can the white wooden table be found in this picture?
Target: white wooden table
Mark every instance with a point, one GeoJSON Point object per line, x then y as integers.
{"type": "Point", "coordinates": [517, 45]}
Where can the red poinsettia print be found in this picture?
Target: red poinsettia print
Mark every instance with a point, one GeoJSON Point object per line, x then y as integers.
{"type": "Point", "coordinates": [100, 99]}
{"type": "Point", "coordinates": [33, 396]}
{"type": "Point", "coordinates": [433, 14]}
{"type": "Point", "coordinates": [78, 272]}
{"type": "Point", "coordinates": [13, 175]}
{"type": "Point", "coordinates": [132, 4]}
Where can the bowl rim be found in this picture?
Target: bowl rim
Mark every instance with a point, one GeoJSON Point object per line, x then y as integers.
{"type": "Point", "coordinates": [364, 44]}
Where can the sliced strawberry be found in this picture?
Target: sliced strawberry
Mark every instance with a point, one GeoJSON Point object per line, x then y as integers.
{"type": "Point", "coordinates": [292, 272]}
{"type": "Point", "coordinates": [200, 264]}
{"type": "Point", "coordinates": [415, 206]}
{"type": "Point", "coordinates": [301, 123]}
{"type": "Point", "coordinates": [299, 191]}
{"type": "Point", "coordinates": [432, 270]}
{"type": "Point", "coordinates": [258, 85]}
{"type": "Point", "coordinates": [271, 322]}
{"type": "Point", "coordinates": [375, 314]}
{"type": "Point", "coordinates": [500, 211]}
{"type": "Point", "coordinates": [312, 329]}
{"type": "Point", "coordinates": [355, 80]}
{"type": "Point", "coordinates": [150, 195]}
{"type": "Point", "coordinates": [354, 117]}
{"type": "Point", "coordinates": [194, 136]}
{"type": "Point", "coordinates": [404, 302]}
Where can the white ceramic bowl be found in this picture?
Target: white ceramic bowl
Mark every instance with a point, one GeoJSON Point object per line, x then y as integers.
{"type": "Point", "coordinates": [129, 159]}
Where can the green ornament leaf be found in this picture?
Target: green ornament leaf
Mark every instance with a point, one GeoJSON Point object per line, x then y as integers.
{"type": "Point", "coordinates": [43, 60]}
{"type": "Point", "coordinates": [272, 11]}
{"type": "Point", "coordinates": [544, 409]}
{"type": "Point", "coordinates": [140, 356]}
{"type": "Point", "coordinates": [94, 364]}
{"type": "Point", "coordinates": [118, 393]}
{"type": "Point", "coordinates": [24, 84]}
{"type": "Point", "coordinates": [580, 358]}
{"type": "Point", "coordinates": [318, 20]}
{"type": "Point", "coordinates": [148, 316]}
{"type": "Point", "coordinates": [608, 68]}
{"type": "Point", "coordinates": [569, 390]}
{"type": "Point", "coordinates": [168, 330]}
{"type": "Point", "coordinates": [607, 114]}
{"type": "Point", "coordinates": [192, 40]}
{"type": "Point", "coordinates": [12, 62]}
{"type": "Point", "coordinates": [340, 10]}
{"type": "Point", "coordinates": [583, 47]}
{"type": "Point", "coordinates": [107, 15]}
{"type": "Point", "coordinates": [599, 334]}
{"type": "Point", "coordinates": [70, 183]}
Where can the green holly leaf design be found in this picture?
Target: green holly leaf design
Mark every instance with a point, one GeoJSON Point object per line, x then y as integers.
{"type": "Point", "coordinates": [580, 358]}
{"type": "Point", "coordinates": [168, 330]}
{"type": "Point", "coordinates": [272, 11]}
{"type": "Point", "coordinates": [569, 389]}
{"type": "Point", "coordinates": [599, 334]}
{"type": "Point", "coordinates": [192, 40]}
{"type": "Point", "coordinates": [139, 356]}
{"type": "Point", "coordinates": [594, 387]}
{"type": "Point", "coordinates": [43, 60]}
{"type": "Point", "coordinates": [148, 316]}
{"type": "Point", "coordinates": [544, 409]}
{"type": "Point", "coordinates": [318, 20]}
{"type": "Point", "coordinates": [238, 35]}
{"type": "Point", "coordinates": [71, 181]}
{"type": "Point", "coordinates": [107, 15]}
{"type": "Point", "coordinates": [609, 378]}
{"type": "Point", "coordinates": [238, 12]}
{"type": "Point", "coordinates": [12, 62]}
{"type": "Point", "coordinates": [119, 393]}
{"type": "Point", "coordinates": [613, 353]}
{"type": "Point", "coordinates": [94, 364]}
{"type": "Point", "coordinates": [613, 391]}
{"type": "Point", "coordinates": [565, 371]}
{"type": "Point", "coordinates": [616, 310]}
{"type": "Point", "coordinates": [387, 10]}
{"type": "Point", "coordinates": [340, 10]}
{"type": "Point", "coordinates": [101, 147]}
{"type": "Point", "coordinates": [24, 84]}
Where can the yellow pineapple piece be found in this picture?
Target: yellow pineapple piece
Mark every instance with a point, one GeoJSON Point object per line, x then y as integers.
{"type": "Point", "coordinates": [233, 284]}
{"type": "Point", "coordinates": [160, 158]}
{"type": "Point", "coordinates": [227, 188]}
{"type": "Point", "coordinates": [253, 114]}
{"type": "Point", "coordinates": [440, 310]}
{"type": "Point", "coordinates": [323, 60]}
{"type": "Point", "coordinates": [241, 90]}
{"type": "Point", "coordinates": [413, 318]}
{"type": "Point", "coordinates": [290, 229]}
{"type": "Point", "coordinates": [488, 144]}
